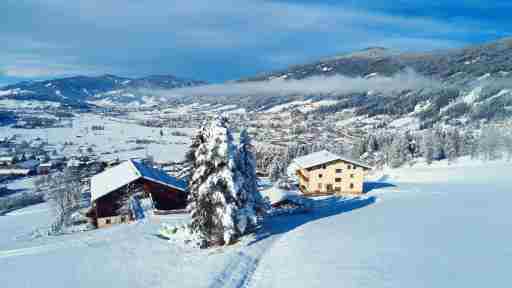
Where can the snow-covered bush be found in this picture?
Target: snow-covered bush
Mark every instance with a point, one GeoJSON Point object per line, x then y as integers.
{"type": "Point", "coordinates": [246, 164]}
{"type": "Point", "coordinates": [284, 183]}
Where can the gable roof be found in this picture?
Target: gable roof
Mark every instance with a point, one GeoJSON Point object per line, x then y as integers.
{"type": "Point", "coordinates": [323, 157]}
{"type": "Point", "coordinates": [127, 172]}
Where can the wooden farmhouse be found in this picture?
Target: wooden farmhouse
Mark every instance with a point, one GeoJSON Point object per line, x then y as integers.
{"type": "Point", "coordinates": [324, 173]}
{"type": "Point", "coordinates": [113, 190]}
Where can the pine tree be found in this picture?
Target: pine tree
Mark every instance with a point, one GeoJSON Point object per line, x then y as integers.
{"type": "Point", "coordinates": [276, 169]}
{"type": "Point", "coordinates": [190, 157]}
{"type": "Point", "coordinates": [469, 145]}
{"type": "Point", "coordinates": [247, 167]}
{"type": "Point", "coordinates": [220, 213]}
{"type": "Point", "coordinates": [428, 147]}
{"type": "Point", "coordinates": [508, 145]}
{"type": "Point", "coordinates": [439, 145]}
{"type": "Point", "coordinates": [399, 151]}
{"type": "Point", "coordinates": [358, 149]}
{"type": "Point", "coordinates": [373, 144]}
{"type": "Point", "coordinates": [490, 143]}
{"type": "Point", "coordinates": [453, 143]}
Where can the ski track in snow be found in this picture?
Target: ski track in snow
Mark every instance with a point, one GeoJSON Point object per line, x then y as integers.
{"type": "Point", "coordinates": [366, 248]}
{"type": "Point", "coordinates": [240, 269]}
{"type": "Point", "coordinates": [47, 248]}
{"type": "Point", "coordinates": [28, 212]}
{"type": "Point", "coordinates": [243, 270]}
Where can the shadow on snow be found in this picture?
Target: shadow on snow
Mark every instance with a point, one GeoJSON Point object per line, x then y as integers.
{"type": "Point", "coordinates": [323, 208]}
{"type": "Point", "coordinates": [369, 186]}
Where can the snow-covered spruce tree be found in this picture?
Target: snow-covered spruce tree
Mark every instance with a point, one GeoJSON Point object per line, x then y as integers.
{"type": "Point", "coordinates": [372, 144]}
{"type": "Point", "coordinates": [469, 145]}
{"type": "Point", "coordinates": [453, 143]}
{"type": "Point", "coordinates": [439, 145]}
{"type": "Point", "coordinates": [246, 162]}
{"type": "Point", "coordinates": [428, 147]}
{"type": "Point", "coordinates": [276, 169]}
{"type": "Point", "coordinates": [190, 156]}
{"type": "Point", "coordinates": [219, 212]}
{"type": "Point", "coordinates": [490, 143]}
{"type": "Point", "coordinates": [508, 145]}
{"type": "Point", "coordinates": [399, 151]}
{"type": "Point", "coordinates": [358, 149]}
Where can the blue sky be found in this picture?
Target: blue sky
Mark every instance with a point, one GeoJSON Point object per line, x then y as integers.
{"type": "Point", "coordinates": [225, 39]}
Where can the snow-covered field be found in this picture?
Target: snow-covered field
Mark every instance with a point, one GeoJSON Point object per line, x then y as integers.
{"type": "Point", "coordinates": [440, 226]}
{"type": "Point", "coordinates": [118, 138]}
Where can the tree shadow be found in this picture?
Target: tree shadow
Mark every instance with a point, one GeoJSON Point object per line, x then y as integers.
{"type": "Point", "coordinates": [369, 186]}
{"type": "Point", "coordinates": [322, 208]}
{"type": "Point", "coordinates": [8, 192]}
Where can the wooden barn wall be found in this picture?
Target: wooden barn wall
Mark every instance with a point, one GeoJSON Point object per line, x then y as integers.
{"type": "Point", "coordinates": [165, 198]}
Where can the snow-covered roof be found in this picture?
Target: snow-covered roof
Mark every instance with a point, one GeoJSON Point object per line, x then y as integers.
{"type": "Point", "coordinates": [276, 195]}
{"type": "Point", "coordinates": [14, 171]}
{"type": "Point", "coordinates": [127, 172]}
{"type": "Point", "coordinates": [322, 157]}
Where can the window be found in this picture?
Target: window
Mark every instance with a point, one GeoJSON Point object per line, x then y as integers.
{"type": "Point", "coordinates": [338, 171]}
{"type": "Point", "coordinates": [351, 175]}
{"type": "Point", "coordinates": [323, 166]}
{"type": "Point", "coordinates": [348, 167]}
{"type": "Point", "coordinates": [320, 175]}
{"type": "Point", "coordinates": [337, 180]}
{"type": "Point", "coordinates": [337, 189]}
{"type": "Point", "coordinates": [123, 219]}
{"type": "Point", "coordinates": [351, 185]}
{"type": "Point", "coordinates": [107, 221]}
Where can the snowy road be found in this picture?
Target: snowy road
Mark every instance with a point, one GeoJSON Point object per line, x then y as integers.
{"type": "Point", "coordinates": [440, 227]}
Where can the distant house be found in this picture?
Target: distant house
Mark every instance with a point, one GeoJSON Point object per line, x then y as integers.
{"type": "Point", "coordinates": [323, 173]}
{"type": "Point", "coordinates": [45, 168]}
{"type": "Point", "coordinates": [112, 188]}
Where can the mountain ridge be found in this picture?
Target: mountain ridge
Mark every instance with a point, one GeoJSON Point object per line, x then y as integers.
{"type": "Point", "coordinates": [82, 91]}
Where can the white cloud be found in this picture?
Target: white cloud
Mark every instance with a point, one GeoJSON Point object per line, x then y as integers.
{"type": "Point", "coordinates": [330, 85]}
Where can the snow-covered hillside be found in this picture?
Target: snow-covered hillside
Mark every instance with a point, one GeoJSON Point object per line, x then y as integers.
{"type": "Point", "coordinates": [440, 226]}
{"type": "Point", "coordinates": [104, 90]}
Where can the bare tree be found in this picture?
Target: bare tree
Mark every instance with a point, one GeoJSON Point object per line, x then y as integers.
{"type": "Point", "coordinates": [63, 194]}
